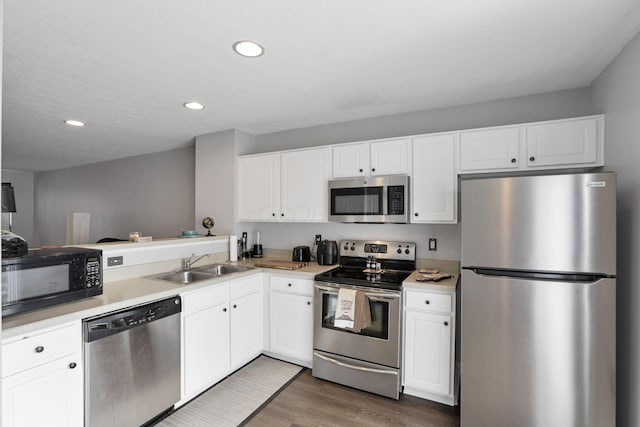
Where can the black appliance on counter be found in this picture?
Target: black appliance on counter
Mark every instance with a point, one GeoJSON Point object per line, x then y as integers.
{"type": "Point", "coordinates": [327, 252]}
{"type": "Point", "coordinates": [369, 359]}
{"type": "Point", "coordinates": [46, 277]}
{"type": "Point", "coordinates": [301, 254]}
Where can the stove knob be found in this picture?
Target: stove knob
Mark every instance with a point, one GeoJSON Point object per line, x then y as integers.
{"type": "Point", "coordinates": [346, 248]}
{"type": "Point", "coordinates": [353, 248]}
{"type": "Point", "coordinates": [399, 251]}
{"type": "Point", "coordinates": [407, 251]}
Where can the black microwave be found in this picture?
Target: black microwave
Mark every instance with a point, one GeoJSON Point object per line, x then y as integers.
{"type": "Point", "coordinates": [46, 277]}
{"type": "Point", "coordinates": [379, 199]}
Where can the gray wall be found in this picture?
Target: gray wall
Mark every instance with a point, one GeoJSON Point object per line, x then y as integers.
{"type": "Point", "coordinates": [23, 220]}
{"type": "Point", "coordinates": [616, 92]}
{"type": "Point", "coordinates": [546, 106]}
{"type": "Point", "coordinates": [152, 194]}
{"type": "Point", "coordinates": [555, 105]}
{"type": "Point", "coordinates": [215, 178]}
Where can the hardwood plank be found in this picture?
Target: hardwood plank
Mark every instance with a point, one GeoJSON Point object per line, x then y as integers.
{"type": "Point", "coordinates": [309, 401]}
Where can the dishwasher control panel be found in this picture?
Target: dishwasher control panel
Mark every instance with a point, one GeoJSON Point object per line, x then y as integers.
{"type": "Point", "coordinates": [123, 320]}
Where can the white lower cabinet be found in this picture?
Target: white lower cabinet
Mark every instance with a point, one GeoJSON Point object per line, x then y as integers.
{"type": "Point", "coordinates": [246, 329]}
{"type": "Point", "coordinates": [291, 319]}
{"type": "Point", "coordinates": [222, 329]}
{"type": "Point", "coordinates": [429, 346]}
{"type": "Point", "coordinates": [42, 379]}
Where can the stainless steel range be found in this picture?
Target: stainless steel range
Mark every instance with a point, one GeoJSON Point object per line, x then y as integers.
{"type": "Point", "coordinates": [369, 359]}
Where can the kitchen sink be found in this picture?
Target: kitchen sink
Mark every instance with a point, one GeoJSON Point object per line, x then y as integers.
{"type": "Point", "coordinates": [185, 277]}
{"type": "Point", "coordinates": [221, 269]}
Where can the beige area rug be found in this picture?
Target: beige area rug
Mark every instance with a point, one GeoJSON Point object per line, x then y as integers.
{"type": "Point", "coordinates": [232, 400]}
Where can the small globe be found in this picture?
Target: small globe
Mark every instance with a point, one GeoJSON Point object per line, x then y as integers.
{"type": "Point", "coordinates": [208, 223]}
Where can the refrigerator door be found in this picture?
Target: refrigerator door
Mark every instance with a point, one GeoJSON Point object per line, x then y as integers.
{"type": "Point", "coordinates": [537, 353]}
{"type": "Point", "coordinates": [560, 223]}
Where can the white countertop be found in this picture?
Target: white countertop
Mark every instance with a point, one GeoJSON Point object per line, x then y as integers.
{"type": "Point", "coordinates": [128, 293]}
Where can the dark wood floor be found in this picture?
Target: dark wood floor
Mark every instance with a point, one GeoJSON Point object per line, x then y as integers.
{"type": "Point", "coordinates": [308, 401]}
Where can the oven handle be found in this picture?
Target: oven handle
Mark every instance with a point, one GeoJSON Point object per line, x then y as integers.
{"type": "Point", "coordinates": [368, 294]}
{"type": "Point", "coordinates": [359, 368]}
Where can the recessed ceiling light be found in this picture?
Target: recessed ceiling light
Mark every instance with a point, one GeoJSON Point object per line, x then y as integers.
{"type": "Point", "coordinates": [74, 123]}
{"type": "Point", "coordinates": [194, 105]}
{"type": "Point", "coordinates": [248, 48]}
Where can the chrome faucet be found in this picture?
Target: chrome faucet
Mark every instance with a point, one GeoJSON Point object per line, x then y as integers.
{"type": "Point", "coordinates": [189, 261]}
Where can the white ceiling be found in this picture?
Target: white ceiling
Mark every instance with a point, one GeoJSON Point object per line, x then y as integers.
{"type": "Point", "coordinates": [125, 67]}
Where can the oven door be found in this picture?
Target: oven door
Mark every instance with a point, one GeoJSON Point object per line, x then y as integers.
{"type": "Point", "coordinates": [379, 343]}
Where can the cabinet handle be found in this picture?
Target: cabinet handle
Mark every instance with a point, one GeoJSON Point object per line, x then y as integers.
{"type": "Point", "coordinates": [373, 169]}
{"type": "Point", "coordinates": [360, 170]}
{"type": "Point", "coordinates": [427, 302]}
{"type": "Point", "coordinates": [273, 214]}
{"type": "Point", "coordinates": [224, 309]}
{"type": "Point", "coordinates": [532, 159]}
{"type": "Point", "coordinates": [289, 284]}
{"type": "Point", "coordinates": [281, 214]}
{"type": "Point", "coordinates": [308, 302]}
{"type": "Point", "coordinates": [72, 365]}
{"type": "Point", "coordinates": [39, 349]}
{"type": "Point", "coordinates": [513, 160]}
{"type": "Point", "coordinates": [235, 306]}
{"type": "Point", "coordinates": [415, 214]}
{"type": "Point", "coordinates": [446, 323]}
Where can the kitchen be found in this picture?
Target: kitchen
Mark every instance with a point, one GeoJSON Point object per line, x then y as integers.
{"type": "Point", "coordinates": [165, 175]}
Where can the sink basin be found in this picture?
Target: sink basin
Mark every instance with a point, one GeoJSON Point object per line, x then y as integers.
{"type": "Point", "coordinates": [183, 277]}
{"type": "Point", "coordinates": [221, 269]}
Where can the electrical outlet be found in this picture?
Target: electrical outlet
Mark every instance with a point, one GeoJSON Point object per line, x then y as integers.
{"type": "Point", "coordinates": [318, 238]}
{"type": "Point", "coordinates": [433, 244]}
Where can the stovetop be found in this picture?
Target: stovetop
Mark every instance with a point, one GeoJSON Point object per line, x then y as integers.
{"type": "Point", "coordinates": [396, 260]}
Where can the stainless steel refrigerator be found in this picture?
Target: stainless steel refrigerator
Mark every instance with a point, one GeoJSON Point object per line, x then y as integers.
{"type": "Point", "coordinates": [538, 301]}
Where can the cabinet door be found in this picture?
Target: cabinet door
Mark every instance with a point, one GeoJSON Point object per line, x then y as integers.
{"type": "Point", "coordinates": [482, 150]}
{"type": "Point", "coordinates": [246, 329]}
{"type": "Point", "coordinates": [564, 143]}
{"type": "Point", "coordinates": [428, 351]}
{"type": "Point", "coordinates": [48, 395]}
{"type": "Point", "coordinates": [350, 160]}
{"type": "Point", "coordinates": [303, 177]}
{"type": "Point", "coordinates": [258, 188]}
{"type": "Point", "coordinates": [390, 157]}
{"type": "Point", "coordinates": [206, 348]}
{"type": "Point", "coordinates": [291, 325]}
{"type": "Point", "coordinates": [435, 183]}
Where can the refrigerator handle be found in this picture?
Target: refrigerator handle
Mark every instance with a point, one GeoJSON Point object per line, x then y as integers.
{"type": "Point", "coordinates": [535, 275]}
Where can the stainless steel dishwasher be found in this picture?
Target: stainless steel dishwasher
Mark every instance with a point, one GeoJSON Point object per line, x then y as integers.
{"type": "Point", "coordinates": [132, 364]}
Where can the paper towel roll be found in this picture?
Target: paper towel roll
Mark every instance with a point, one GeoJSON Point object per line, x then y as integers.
{"type": "Point", "coordinates": [233, 248]}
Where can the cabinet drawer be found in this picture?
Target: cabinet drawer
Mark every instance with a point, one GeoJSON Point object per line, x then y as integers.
{"type": "Point", "coordinates": [205, 298]}
{"type": "Point", "coordinates": [39, 349]}
{"type": "Point", "coordinates": [242, 287]}
{"type": "Point", "coordinates": [428, 301]}
{"type": "Point", "coordinates": [292, 285]}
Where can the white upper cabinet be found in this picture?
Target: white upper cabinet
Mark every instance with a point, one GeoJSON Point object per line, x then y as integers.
{"type": "Point", "coordinates": [258, 187]}
{"type": "Point", "coordinates": [371, 158]}
{"type": "Point", "coordinates": [303, 177]}
{"type": "Point", "coordinates": [351, 160]}
{"type": "Point", "coordinates": [434, 185]}
{"type": "Point", "coordinates": [284, 186]}
{"type": "Point", "coordinates": [390, 157]}
{"type": "Point", "coordinates": [556, 144]}
{"type": "Point", "coordinates": [495, 148]}
{"type": "Point", "coordinates": [571, 142]}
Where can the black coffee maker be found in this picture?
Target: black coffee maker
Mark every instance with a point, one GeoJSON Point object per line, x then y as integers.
{"type": "Point", "coordinates": [327, 252]}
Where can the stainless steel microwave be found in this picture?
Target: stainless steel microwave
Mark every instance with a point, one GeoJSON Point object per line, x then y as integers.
{"type": "Point", "coordinates": [380, 199]}
{"type": "Point", "coordinates": [46, 277]}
